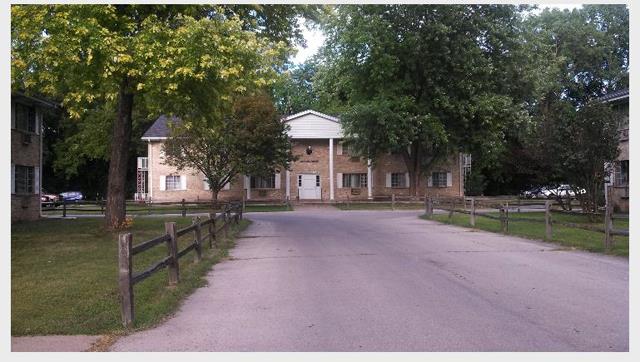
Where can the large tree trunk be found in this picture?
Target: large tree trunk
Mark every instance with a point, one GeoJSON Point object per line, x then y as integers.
{"type": "Point", "coordinates": [214, 200]}
{"type": "Point", "coordinates": [412, 161]}
{"type": "Point", "coordinates": [115, 210]}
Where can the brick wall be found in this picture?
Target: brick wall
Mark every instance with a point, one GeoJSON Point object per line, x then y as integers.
{"type": "Point", "coordinates": [315, 163]}
{"type": "Point", "coordinates": [25, 207]}
{"type": "Point", "coordinates": [195, 181]}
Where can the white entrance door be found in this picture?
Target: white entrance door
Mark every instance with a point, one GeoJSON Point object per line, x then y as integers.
{"type": "Point", "coordinates": [309, 187]}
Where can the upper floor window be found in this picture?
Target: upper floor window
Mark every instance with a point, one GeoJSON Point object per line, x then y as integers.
{"type": "Point", "coordinates": [258, 182]}
{"type": "Point", "coordinates": [621, 177]}
{"type": "Point", "coordinates": [25, 117]}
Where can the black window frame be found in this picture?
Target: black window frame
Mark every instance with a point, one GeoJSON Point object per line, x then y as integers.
{"type": "Point", "coordinates": [261, 182]}
{"type": "Point", "coordinates": [27, 124]}
{"type": "Point", "coordinates": [361, 180]}
{"type": "Point", "coordinates": [439, 179]}
{"type": "Point", "coordinates": [24, 179]}
{"type": "Point", "coordinates": [399, 180]}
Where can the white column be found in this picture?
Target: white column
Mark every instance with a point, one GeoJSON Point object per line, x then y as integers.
{"type": "Point", "coordinates": [150, 168]}
{"type": "Point", "coordinates": [369, 180]}
{"type": "Point", "coordinates": [287, 184]}
{"type": "Point", "coordinates": [331, 168]}
{"type": "Point", "coordinates": [247, 181]}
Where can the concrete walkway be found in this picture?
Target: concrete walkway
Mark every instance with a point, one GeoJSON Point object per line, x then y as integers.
{"type": "Point", "coordinates": [326, 280]}
{"type": "Point", "coordinates": [77, 343]}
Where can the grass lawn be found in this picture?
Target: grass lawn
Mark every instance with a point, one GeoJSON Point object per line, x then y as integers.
{"type": "Point", "coordinates": [267, 207]}
{"type": "Point", "coordinates": [377, 206]}
{"type": "Point", "coordinates": [569, 237]}
{"type": "Point", "coordinates": [64, 276]}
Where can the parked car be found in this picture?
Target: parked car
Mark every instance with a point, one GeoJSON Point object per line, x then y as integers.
{"type": "Point", "coordinates": [48, 197]}
{"type": "Point", "coordinates": [549, 192]}
{"type": "Point", "coordinates": [532, 193]}
{"type": "Point", "coordinates": [71, 196]}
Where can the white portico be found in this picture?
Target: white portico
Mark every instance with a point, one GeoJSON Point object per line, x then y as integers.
{"type": "Point", "coordinates": [316, 141]}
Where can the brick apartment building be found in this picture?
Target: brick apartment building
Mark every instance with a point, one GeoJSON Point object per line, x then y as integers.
{"type": "Point", "coordinates": [619, 180]}
{"type": "Point", "coordinates": [325, 170]}
{"type": "Point", "coordinates": [26, 155]}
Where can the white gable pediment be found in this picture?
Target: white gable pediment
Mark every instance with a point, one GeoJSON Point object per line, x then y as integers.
{"type": "Point", "coordinates": [312, 124]}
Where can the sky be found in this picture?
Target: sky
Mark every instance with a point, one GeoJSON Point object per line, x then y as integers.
{"type": "Point", "coordinates": [315, 38]}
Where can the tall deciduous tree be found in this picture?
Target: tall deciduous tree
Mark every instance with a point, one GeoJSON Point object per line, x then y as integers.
{"type": "Point", "coordinates": [423, 80]}
{"type": "Point", "coordinates": [294, 91]}
{"type": "Point", "coordinates": [250, 140]}
{"type": "Point", "coordinates": [166, 57]}
{"type": "Point", "coordinates": [579, 56]}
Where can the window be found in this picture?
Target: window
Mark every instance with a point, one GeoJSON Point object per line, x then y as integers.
{"type": "Point", "coordinates": [172, 183]}
{"type": "Point", "coordinates": [355, 180]}
{"type": "Point", "coordinates": [439, 179]}
{"type": "Point", "coordinates": [317, 180]}
{"type": "Point", "coordinates": [621, 177]}
{"type": "Point", "coordinates": [24, 177]}
{"type": "Point", "coordinates": [346, 149]}
{"type": "Point", "coordinates": [269, 182]}
{"type": "Point", "coordinates": [25, 117]}
{"type": "Point", "coordinates": [398, 179]}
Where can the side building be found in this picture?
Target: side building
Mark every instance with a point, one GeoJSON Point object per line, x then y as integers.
{"type": "Point", "coordinates": [619, 180]}
{"type": "Point", "coordinates": [26, 155]}
{"type": "Point", "coordinates": [325, 171]}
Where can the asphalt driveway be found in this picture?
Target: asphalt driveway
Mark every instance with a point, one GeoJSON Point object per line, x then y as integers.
{"type": "Point", "coordinates": [327, 280]}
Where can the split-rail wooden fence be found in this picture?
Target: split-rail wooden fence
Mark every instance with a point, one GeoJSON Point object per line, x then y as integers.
{"type": "Point", "coordinates": [216, 228]}
{"type": "Point", "coordinates": [478, 208]}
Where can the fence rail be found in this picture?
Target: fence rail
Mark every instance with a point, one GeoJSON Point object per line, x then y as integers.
{"type": "Point", "coordinates": [182, 207]}
{"type": "Point", "coordinates": [504, 206]}
{"type": "Point", "coordinates": [217, 228]}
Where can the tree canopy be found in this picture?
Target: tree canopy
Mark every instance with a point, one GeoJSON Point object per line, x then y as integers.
{"type": "Point", "coordinates": [104, 62]}
{"type": "Point", "coordinates": [250, 140]}
{"type": "Point", "coordinates": [423, 80]}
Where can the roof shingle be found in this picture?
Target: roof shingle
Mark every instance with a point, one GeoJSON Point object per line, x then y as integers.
{"type": "Point", "coordinates": [160, 127]}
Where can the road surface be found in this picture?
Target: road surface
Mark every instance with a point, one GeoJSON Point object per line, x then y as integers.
{"type": "Point", "coordinates": [328, 280]}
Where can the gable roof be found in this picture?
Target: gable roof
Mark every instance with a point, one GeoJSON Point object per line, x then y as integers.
{"type": "Point", "coordinates": [310, 111]}
{"type": "Point", "coordinates": [614, 96]}
{"type": "Point", "coordinates": [160, 129]}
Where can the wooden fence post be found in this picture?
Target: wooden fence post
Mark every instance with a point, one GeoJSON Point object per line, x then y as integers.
{"type": "Point", "coordinates": [502, 221]}
{"type": "Point", "coordinates": [506, 217]}
{"type": "Point", "coordinates": [225, 226]}
{"type": "Point", "coordinates": [172, 251]}
{"type": "Point", "coordinates": [393, 201]}
{"type": "Point", "coordinates": [212, 229]}
{"type": "Point", "coordinates": [472, 214]}
{"type": "Point", "coordinates": [453, 206]}
{"type": "Point", "coordinates": [198, 234]}
{"type": "Point", "coordinates": [124, 278]}
{"type": "Point", "coordinates": [608, 221]}
{"type": "Point", "coordinates": [547, 220]}
{"type": "Point", "coordinates": [184, 209]}
{"type": "Point", "coordinates": [64, 207]}
{"type": "Point", "coordinates": [429, 207]}
{"type": "Point", "coordinates": [101, 207]}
